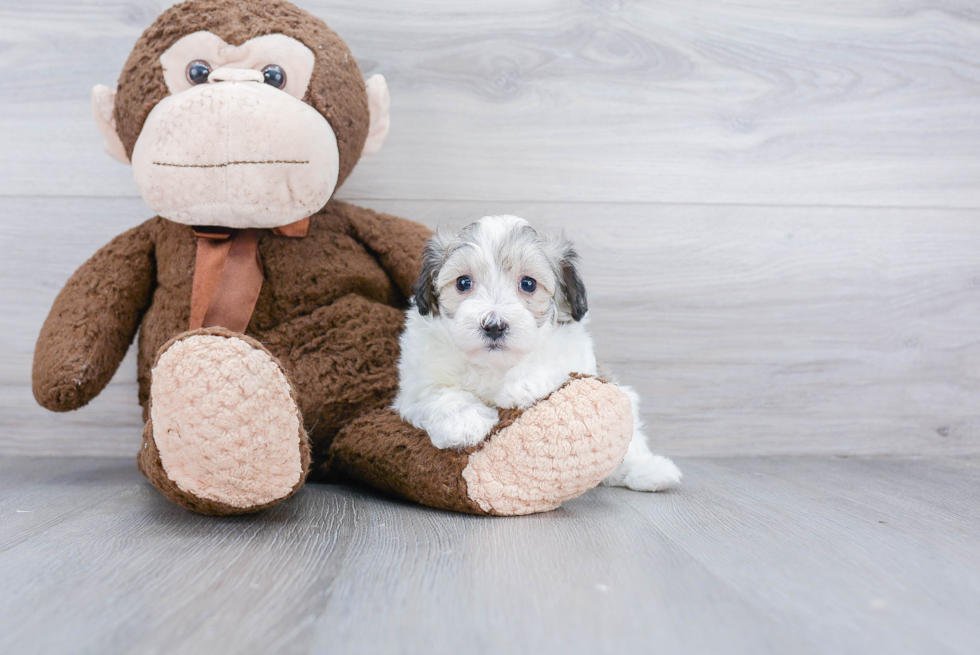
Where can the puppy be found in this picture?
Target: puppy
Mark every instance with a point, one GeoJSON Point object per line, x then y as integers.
{"type": "Point", "coordinates": [500, 321]}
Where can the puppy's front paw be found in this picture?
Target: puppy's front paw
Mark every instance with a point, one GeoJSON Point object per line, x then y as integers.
{"type": "Point", "coordinates": [527, 391]}
{"type": "Point", "coordinates": [652, 473]}
{"type": "Point", "coordinates": [466, 426]}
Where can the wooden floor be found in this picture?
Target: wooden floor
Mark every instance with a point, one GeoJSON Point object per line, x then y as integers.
{"type": "Point", "coordinates": [754, 555]}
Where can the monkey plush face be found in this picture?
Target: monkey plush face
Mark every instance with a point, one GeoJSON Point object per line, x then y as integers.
{"type": "Point", "coordinates": [239, 113]}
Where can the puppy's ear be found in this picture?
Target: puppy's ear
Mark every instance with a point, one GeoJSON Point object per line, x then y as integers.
{"type": "Point", "coordinates": [434, 254]}
{"type": "Point", "coordinates": [571, 289]}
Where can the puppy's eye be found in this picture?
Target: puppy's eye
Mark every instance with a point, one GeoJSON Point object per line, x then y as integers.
{"type": "Point", "coordinates": [274, 76]}
{"type": "Point", "coordinates": [198, 71]}
{"type": "Point", "coordinates": [464, 283]}
{"type": "Point", "coordinates": [528, 284]}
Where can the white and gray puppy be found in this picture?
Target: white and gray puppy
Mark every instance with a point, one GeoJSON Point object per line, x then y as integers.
{"type": "Point", "coordinates": [500, 320]}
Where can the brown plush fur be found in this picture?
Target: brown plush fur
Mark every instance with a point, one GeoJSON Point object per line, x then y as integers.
{"type": "Point", "coordinates": [381, 450]}
{"type": "Point", "coordinates": [330, 310]}
{"type": "Point", "coordinates": [336, 89]}
{"type": "Point", "coordinates": [81, 343]}
{"type": "Point", "coordinates": [331, 304]}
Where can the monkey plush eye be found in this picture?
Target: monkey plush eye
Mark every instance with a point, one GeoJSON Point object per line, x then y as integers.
{"type": "Point", "coordinates": [274, 76]}
{"type": "Point", "coordinates": [464, 283]}
{"type": "Point", "coordinates": [528, 284]}
{"type": "Point", "coordinates": [198, 71]}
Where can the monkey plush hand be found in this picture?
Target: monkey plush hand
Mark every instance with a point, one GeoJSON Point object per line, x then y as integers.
{"type": "Point", "coordinates": [268, 313]}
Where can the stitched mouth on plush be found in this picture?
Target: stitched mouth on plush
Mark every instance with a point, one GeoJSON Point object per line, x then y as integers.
{"type": "Point", "coordinates": [230, 163]}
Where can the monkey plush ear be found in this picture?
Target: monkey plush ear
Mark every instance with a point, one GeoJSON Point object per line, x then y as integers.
{"type": "Point", "coordinates": [103, 104]}
{"type": "Point", "coordinates": [379, 102]}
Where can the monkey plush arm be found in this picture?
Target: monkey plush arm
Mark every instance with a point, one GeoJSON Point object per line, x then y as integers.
{"type": "Point", "coordinates": [93, 321]}
{"type": "Point", "coordinates": [397, 243]}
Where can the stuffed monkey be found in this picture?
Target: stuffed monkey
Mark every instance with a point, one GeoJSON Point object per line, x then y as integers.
{"type": "Point", "coordinates": [268, 314]}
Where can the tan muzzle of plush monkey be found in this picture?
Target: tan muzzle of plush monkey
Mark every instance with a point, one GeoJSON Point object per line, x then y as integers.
{"type": "Point", "coordinates": [234, 145]}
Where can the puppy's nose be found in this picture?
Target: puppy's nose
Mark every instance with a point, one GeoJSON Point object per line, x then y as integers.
{"type": "Point", "coordinates": [495, 330]}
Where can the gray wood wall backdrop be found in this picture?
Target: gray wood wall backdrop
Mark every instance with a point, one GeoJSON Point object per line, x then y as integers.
{"type": "Point", "coordinates": [777, 202]}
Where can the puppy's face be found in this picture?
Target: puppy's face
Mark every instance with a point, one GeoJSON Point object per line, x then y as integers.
{"type": "Point", "coordinates": [499, 288]}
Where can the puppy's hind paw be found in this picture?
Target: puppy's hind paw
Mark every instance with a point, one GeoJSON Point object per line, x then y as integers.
{"type": "Point", "coordinates": [654, 473]}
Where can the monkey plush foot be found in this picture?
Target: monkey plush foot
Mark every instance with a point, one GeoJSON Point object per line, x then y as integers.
{"type": "Point", "coordinates": [554, 451]}
{"type": "Point", "coordinates": [534, 461]}
{"type": "Point", "coordinates": [225, 435]}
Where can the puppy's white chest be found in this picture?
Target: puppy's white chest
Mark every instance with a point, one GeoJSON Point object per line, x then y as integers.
{"type": "Point", "coordinates": [485, 383]}
{"type": "Point", "coordinates": [538, 374]}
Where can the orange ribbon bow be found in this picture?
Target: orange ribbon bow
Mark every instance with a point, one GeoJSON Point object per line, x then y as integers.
{"type": "Point", "coordinates": [228, 274]}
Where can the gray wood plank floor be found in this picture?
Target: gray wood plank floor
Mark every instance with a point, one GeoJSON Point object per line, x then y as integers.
{"type": "Point", "coordinates": [753, 555]}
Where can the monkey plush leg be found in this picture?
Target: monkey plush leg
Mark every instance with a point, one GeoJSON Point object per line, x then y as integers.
{"type": "Point", "coordinates": [342, 360]}
{"type": "Point", "coordinates": [536, 459]}
{"type": "Point", "coordinates": [225, 435]}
